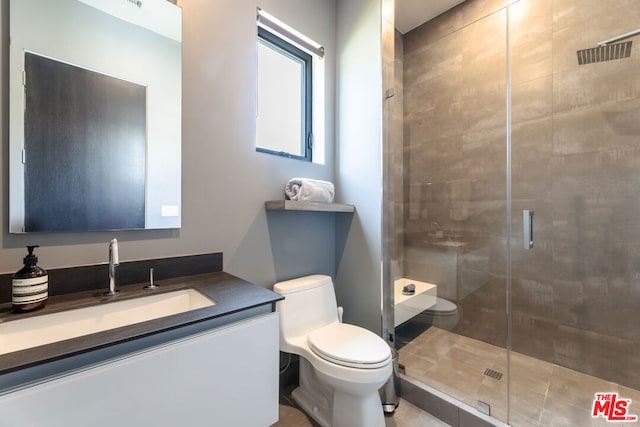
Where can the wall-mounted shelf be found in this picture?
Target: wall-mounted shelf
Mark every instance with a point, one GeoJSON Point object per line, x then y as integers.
{"type": "Point", "coordinates": [293, 205]}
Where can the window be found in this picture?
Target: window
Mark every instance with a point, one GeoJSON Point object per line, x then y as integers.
{"type": "Point", "coordinates": [285, 84]}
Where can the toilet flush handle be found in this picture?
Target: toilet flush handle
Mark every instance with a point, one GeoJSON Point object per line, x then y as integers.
{"type": "Point", "coordinates": [340, 311]}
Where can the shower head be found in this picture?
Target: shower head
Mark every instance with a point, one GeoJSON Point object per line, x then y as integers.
{"type": "Point", "coordinates": [606, 51]}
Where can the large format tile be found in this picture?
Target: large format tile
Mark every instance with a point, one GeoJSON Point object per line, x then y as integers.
{"type": "Point", "coordinates": [576, 389]}
{"type": "Point", "coordinates": [530, 40]}
{"type": "Point", "coordinates": [542, 394]}
{"type": "Point", "coordinates": [604, 128]}
{"type": "Point", "coordinates": [484, 56]}
{"type": "Point", "coordinates": [433, 31]}
{"type": "Point", "coordinates": [557, 413]}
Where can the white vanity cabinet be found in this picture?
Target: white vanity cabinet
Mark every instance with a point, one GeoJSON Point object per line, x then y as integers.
{"type": "Point", "coordinates": [227, 376]}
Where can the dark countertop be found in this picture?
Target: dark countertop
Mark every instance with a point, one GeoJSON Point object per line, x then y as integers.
{"type": "Point", "coordinates": [231, 294]}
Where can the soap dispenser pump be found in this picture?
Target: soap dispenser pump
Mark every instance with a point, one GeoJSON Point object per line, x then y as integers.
{"type": "Point", "coordinates": [30, 285]}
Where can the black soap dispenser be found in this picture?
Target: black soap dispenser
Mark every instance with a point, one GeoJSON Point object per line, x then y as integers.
{"type": "Point", "coordinates": [30, 285]}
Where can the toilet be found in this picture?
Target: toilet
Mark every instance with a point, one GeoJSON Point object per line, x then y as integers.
{"type": "Point", "coordinates": [342, 366]}
{"type": "Point", "coordinates": [444, 314]}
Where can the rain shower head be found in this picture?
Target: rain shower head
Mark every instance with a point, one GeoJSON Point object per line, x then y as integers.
{"type": "Point", "coordinates": [606, 51]}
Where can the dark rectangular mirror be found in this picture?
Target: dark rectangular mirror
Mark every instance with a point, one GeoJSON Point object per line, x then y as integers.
{"type": "Point", "coordinates": [95, 115]}
{"type": "Point", "coordinates": [111, 144]}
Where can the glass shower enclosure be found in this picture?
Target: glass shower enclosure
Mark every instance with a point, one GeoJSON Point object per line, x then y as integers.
{"type": "Point", "coordinates": [512, 207]}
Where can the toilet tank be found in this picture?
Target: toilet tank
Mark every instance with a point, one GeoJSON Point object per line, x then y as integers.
{"type": "Point", "coordinates": [309, 303]}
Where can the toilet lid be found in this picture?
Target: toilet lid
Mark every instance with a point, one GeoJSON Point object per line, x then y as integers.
{"type": "Point", "coordinates": [349, 345]}
{"type": "Point", "coordinates": [442, 306]}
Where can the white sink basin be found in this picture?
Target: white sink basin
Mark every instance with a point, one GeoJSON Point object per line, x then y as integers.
{"type": "Point", "coordinates": [39, 330]}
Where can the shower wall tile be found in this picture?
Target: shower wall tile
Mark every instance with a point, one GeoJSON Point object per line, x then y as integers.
{"type": "Point", "coordinates": [568, 299]}
{"type": "Point", "coordinates": [532, 297]}
{"type": "Point", "coordinates": [481, 218]}
{"type": "Point", "coordinates": [420, 163]}
{"type": "Point", "coordinates": [471, 281]}
{"type": "Point", "coordinates": [484, 56]}
{"type": "Point", "coordinates": [475, 259]}
{"type": "Point", "coordinates": [483, 159]}
{"type": "Point", "coordinates": [490, 296]}
{"type": "Point", "coordinates": [531, 152]}
{"type": "Point", "coordinates": [446, 121]}
{"type": "Point", "coordinates": [594, 167]}
{"type": "Point", "coordinates": [479, 10]}
{"type": "Point", "coordinates": [418, 96]}
{"type": "Point", "coordinates": [597, 129]}
{"type": "Point", "coordinates": [486, 114]}
{"type": "Point", "coordinates": [601, 87]}
{"type": "Point", "coordinates": [497, 255]}
{"type": "Point", "coordinates": [530, 40]}
{"type": "Point", "coordinates": [439, 122]}
{"type": "Point", "coordinates": [429, 65]}
{"type": "Point", "coordinates": [447, 157]}
{"type": "Point", "coordinates": [597, 353]}
{"type": "Point", "coordinates": [489, 187]}
{"type": "Point", "coordinates": [570, 13]}
{"type": "Point", "coordinates": [535, 264]}
{"type": "Point", "coordinates": [482, 323]}
{"type": "Point", "coordinates": [533, 336]}
{"type": "Point", "coordinates": [581, 259]}
{"type": "Point", "coordinates": [530, 176]}
{"type": "Point", "coordinates": [532, 100]}
{"type": "Point", "coordinates": [606, 311]}
{"type": "Point", "coordinates": [441, 26]}
{"type": "Point", "coordinates": [584, 224]}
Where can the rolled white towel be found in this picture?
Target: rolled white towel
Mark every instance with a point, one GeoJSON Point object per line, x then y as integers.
{"type": "Point", "coordinates": [309, 190]}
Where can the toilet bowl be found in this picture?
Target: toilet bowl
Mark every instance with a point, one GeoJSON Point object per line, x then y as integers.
{"type": "Point", "coordinates": [342, 366]}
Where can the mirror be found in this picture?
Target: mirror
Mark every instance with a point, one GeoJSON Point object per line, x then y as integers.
{"type": "Point", "coordinates": [94, 115]}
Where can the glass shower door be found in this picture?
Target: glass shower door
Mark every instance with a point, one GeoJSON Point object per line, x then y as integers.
{"type": "Point", "coordinates": [451, 329]}
{"type": "Point", "coordinates": [575, 143]}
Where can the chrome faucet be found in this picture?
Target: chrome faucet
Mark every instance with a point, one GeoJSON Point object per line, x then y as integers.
{"type": "Point", "coordinates": [114, 261]}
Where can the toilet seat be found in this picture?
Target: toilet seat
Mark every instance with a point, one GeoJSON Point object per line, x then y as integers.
{"type": "Point", "coordinates": [442, 307]}
{"type": "Point", "coordinates": [349, 345]}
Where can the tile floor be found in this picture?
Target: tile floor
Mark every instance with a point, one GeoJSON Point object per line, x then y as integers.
{"type": "Point", "coordinates": [543, 394]}
{"type": "Point", "coordinates": [406, 415]}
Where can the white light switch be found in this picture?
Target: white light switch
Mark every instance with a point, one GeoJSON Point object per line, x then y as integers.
{"type": "Point", "coordinates": [170, 210]}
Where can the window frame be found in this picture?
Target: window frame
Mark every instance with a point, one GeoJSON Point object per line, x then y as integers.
{"type": "Point", "coordinates": [283, 47]}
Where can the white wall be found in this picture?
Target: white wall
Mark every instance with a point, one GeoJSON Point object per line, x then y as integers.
{"type": "Point", "coordinates": [224, 180]}
{"type": "Point", "coordinates": [359, 150]}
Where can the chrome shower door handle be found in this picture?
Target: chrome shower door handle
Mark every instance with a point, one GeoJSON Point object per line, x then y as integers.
{"type": "Point", "coordinates": [527, 229]}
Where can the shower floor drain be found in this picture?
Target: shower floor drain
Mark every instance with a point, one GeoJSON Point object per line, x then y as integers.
{"type": "Point", "coordinates": [493, 374]}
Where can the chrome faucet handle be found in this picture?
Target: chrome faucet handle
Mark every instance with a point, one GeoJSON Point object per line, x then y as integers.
{"type": "Point", "coordinates": [151, 285]}
{"type": "Point", "coordinates": [114, 258]}
{"type": "Point", "coordinates": [114, 261]}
